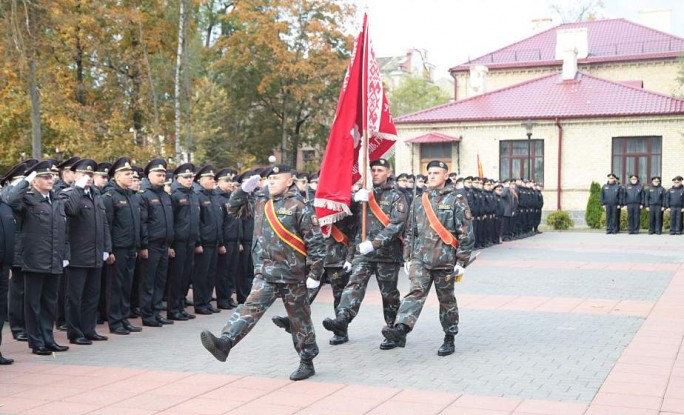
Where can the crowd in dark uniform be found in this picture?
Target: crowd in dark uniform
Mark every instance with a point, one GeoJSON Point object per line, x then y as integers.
{"type": "Point", "coordinates": [85, 243]}
{"type": "Point", "coordinates": [635, 197]}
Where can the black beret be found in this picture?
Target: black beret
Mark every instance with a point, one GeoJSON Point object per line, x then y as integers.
{"type": "Point", "coordinates": [402, 176]}
{"type": "Point", "coordinates": [155, 165]}
{"type": "Point", "coordinates": [380, 162]}
{"type": "Point", "coordinates": [459, 180]}
{"type": "Point", "coordinates": [277, 169]}
{"type": "Point", "coordinates": [120, 164]}
{"type": "Point", "coordinates": [225, 173]}
{"type": "Point", "coordinates": [437, 163]}
{"type": "Point", "coordinates": [302, 176]}
{"type": "Point", "coordinates": [41, 168]}
{"type": "Point", "coordinates": [84, 166]}
{"type": "Point", "coordinates": [468, 178]}
{"type": "Point", "coordinates": [184, 169]}
{"type": "Point", "coordinates": [420, 177]}
{"type": "Point", "coordinates": [206, 171]}
{"type": "Point", "coordinates": [16, 171]}
{"type": "Point", "coordinates": [66, 164]}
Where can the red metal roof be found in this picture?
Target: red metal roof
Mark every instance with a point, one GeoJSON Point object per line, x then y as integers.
{"type": "Point", "coordinates": [433, 137]}
{"type": "Point", "coordinates": [550, 97]}
{"type": "Point", "coordinates": [609, 40]}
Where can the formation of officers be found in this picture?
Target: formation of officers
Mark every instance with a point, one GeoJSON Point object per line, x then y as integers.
{"type": "Point", "coordinates": [634, 196]}
{"type": "Point", "coordinates": [84, 241]}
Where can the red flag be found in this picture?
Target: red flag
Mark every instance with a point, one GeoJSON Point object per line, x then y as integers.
{"type": "Point", "coordinates": [362, 105]}
{"type": "Point", "coordinates": [480, 174]}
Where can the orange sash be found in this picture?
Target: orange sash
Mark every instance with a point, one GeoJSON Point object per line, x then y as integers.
{"type": "Point", "coordinates": [339, 236]}
{"type": "Point", "coordinates": [446, 236]}
{"type": "Point", "coordinates": [294, 241]}
{"type": "Point", "coordinates": [377, 210]}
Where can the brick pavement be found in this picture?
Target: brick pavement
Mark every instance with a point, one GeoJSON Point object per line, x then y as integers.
{"type": "Point", "coordinates": [548, 326]}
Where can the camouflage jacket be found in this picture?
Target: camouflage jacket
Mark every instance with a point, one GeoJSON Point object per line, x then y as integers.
{"type": "Point", "coordinates": [275, 260]}
{"type": "Point", "coordinates": [423, 244]}
{"type": "Point", "coordinates": [337, 253]}
{"type": "Point", "coordinates": [385, 239]}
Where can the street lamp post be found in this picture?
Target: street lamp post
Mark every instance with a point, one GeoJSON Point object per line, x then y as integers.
{"type": "Point", "coordinates": [529, 124]}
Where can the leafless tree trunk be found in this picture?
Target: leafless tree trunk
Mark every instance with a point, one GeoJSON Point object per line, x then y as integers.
{"type": "Point", "coordinates": [36, 140]}
{"type": "Point", "coordinates": [177, 81]}
{"type": "Point", "coordinates": [153, 89]}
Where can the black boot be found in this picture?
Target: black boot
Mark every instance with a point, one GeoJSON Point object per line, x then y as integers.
{"type": "Point", "coordinates": [394, 336]}
{"type": "Point", "coordinates": [282, 322]}
{"type": "Point", "coordinates": [447, 347]}
{"type": "Point", "coordinates": [219, 347]}
{"type": "Point", "coordinates": [335, 340]}
{"type": "Point", "coordinates": [338, 326]}
{"type": "Point", "coordinates": [304, 371]}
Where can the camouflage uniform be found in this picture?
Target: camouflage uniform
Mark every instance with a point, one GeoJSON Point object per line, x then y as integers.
{"type": "Point", "coordinates": [384, 261]}
{"type": "Point", "coordinates": [433, 260]}
{"type": "Point", "coordinates": [279, 269]}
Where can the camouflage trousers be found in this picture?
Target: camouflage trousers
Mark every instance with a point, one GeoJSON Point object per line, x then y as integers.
{"type": "Point", "coordinates": [262, 296]}
{"type": "Point", "coordinates": [386, 274]}
{"type": "Point", "coordinates": [421, 281]}
{"type": "Point", "coordinates": [338, 280]}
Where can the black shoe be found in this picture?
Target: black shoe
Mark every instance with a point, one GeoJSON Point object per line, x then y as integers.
{"type": "Point", "coordinates": [56, 347]}
{"type": "Point", "coordinates": [163, 320]}
{"type": "Point", "coordinates": [338, 326]}
{"type": "Point", "coordinates": [231, 303]}
{"type": "Point", "coordinates": [133, 329]}
{"type": "Point", "coordinates": [394, 337]}
{"type": "Point", "coordinates": [219, 347]}
{"type": "Point", "coordinates": [62, 327]}
{"type": "Point", "coordinates": [335, 340]}
{"type": "Point", "coordinates": [21, 337]}
{"type": "Point", "coordinates": [447, 347]}
{"type": "Point", "coordinates": [81, 341]}
{"type": "Point", "coordinates": [188, 315]}
{"type": "Point", "coordinates": [41, 351]}
{"type": "Point", "coordinates": [282, 322]}
{"type": "Point", "coordinates": [213, 309]}
{"type": "Point", "coordinates": [203, 311]}
{"type": "Point", "coordinates": [224, 305]}
{"type": "Point", "coordinates": [304, 371]}
{"type": "Point", "coordinates": [176, 316]}
{"type": "Point", "coordinates": [96, 337]}
{"type": "Point", "coordinates": [150, 322]}
{"type": "Point", "coordinates": [5, 361]}
{"type": "Point", "coordinates": [120, 330]}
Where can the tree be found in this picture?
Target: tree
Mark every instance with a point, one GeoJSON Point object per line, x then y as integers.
{"type": "Point", "coordinates": [415, 93]}
{"type": "Point", "coordinates": [571, 11]}
{"type": "Point", "coordinates": [594, 209]}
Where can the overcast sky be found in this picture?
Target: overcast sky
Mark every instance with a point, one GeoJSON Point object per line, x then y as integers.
{"type": "Point", "coordinates": [453, 31]}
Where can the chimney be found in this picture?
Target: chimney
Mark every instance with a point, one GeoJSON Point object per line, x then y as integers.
{"type": "Point", "coordinates": [572, 39]}
{"type": "Point", "coordinates": [478, 76]}
{"type": "Point", "coordinates": [569, 64]}
{"type": "Point", "coordinates": [539, 25]}
{"type": "Point", "coordinates": [656, 19]}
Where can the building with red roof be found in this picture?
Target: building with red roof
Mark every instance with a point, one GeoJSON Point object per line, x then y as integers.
{"type": "Point", "coordinates": [584, 126]}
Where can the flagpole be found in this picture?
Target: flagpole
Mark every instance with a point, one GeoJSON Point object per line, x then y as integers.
{"type": "Point", "coordinates": [364, 138]}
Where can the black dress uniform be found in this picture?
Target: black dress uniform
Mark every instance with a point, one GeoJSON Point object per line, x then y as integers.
{"type": "Point", "coordinates": [103, 171]}
{"type": "Point", "coordinates": [633, 198]}
{"type": "Point", "coordinates": [89, 241]}
{"type": "Point", "coordinates": [610, 199]}
{"type": "Point", "coordinates": [7, 230]}
{"type": "Point", "coordinates": [44, 259]}
{"type": "Point", "coordinates": [228, 271]}
{"type": "Point", "coordinates": [510, 201]}
{"type": "Point", "coordinates": [17, 320]}
{"type": "Point", "coordinates": [210, 241]}
{"type": "Point", "coordinates": [674, 201]}
{"type": "Point", "coordinates": [123, 217]}
{"type": "Point", "coordinates": [156, 222]}
{"type": "Point", "coordinates": [653, 200]}
{"type": "Point", "coordinates": [244, 283]}
{"type": "Point", "coordinates": [186, 218]}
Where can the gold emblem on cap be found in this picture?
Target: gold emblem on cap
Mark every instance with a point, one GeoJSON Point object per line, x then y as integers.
{"type": "Point", "coordinates": [382, 161]}
{"type": "Point", "coordinates": [89, 168]}
{"type": "Point", "coordinates": [127, 166]}
{"type": "Point", "coordinates": [276, 170]}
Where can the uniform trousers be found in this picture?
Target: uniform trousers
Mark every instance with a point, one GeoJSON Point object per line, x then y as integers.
{"type": "Point", "coordinates": [633, 217]}
{"type": "Point", "coordinates": [675, 220]}
{"type": "Point", "coordinates": [181, 268]}
{"type": "Point", "coordinates": [4, 288]}
{"type": "Point", "coordinates": [655, 219]}
{"type": "Point", "coordinates": [243, 284]}
{"type": "Point", "coordinates": [17, 319]}
{"type": "Point", "coordinates": [153, 274]}
{"type": "Point", "coordinates": [119, 287]}
{"type": "Point", "coordinates": [612, 219]}
{"type": "Point", "coordinates": [82, 298]}
{"type": "Point", "coordinates": [386, 274]}
{"type": "Point", "coordinates": [227, 272]}
{"type": "Point", "coordinates": [40, 307]}
{"type": "Point", "coordinates": [204, 275]}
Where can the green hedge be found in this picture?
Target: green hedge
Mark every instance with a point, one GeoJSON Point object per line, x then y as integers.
{"type": "Point", "coordinates": [560, 220]}
{"type": "Point", "coordinates": [643, 219]}
{"type": "Point", "coordinates": [594, 209]}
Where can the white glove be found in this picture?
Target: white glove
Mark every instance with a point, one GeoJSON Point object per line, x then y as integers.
{"type": "Point", "coordinates": [361, 195]}
{"type": "Point", "coordinates": [366, 247]}
{"type": "Point", "coordinates": [30, 177]}
{"type": "Point", "coordinates": [407, 266]}
{"type": "Point", "coordinates": [105, 255]}
{"type": "Point", "coordinates": [65, 263]}
{"type": "Point", "coordinates": [82, 182]}
{"type": "Point", "coordinates": [459, 270]}
{"type": "Point", "coordinates": [16, 181]}
{"type": "Point", "coordinates": [312, 283]}
{"type": "Point", "coordinates": [347, 266]}
{"type": "Point", "coordinates": [250, 184]}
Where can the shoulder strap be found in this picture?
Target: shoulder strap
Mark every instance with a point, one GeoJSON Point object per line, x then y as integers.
{"type": "Point", "coordinates": [377, 210]}
{"type": "Point", "coordinates": [294, 241]}
{"type": "Point", "coordinates": [446, 236]}
{"type": "Point", "coordinates": [339, 236]}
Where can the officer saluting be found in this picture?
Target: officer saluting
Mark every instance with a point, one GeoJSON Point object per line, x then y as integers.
{"type": "Point", "coordinates": [228, 264]}
{"type": "Point", "coordinates": [438, 242]}
{"type": "Point", "coordinates": [156, 221]}
{"type": "Point", "coordinates": [123, 216]}
{"type": "Point", "coordinates": [288, 249]}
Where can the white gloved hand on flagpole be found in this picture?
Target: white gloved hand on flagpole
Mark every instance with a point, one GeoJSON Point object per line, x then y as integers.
{"type": "Point", "coordinates": [361, 195]}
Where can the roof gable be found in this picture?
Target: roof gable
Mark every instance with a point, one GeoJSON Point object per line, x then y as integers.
{"type": "Point", "coordinates": [550, 97]}
{"type": "Point", "coordinates": [609, 40]}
